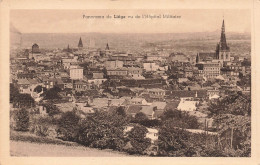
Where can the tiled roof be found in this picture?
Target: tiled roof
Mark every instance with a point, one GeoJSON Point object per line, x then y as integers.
{"type": "Point", "coordinates": [33, 81]}
{"type": "Point", "coordinates": [23, 82]}
{"type": "Point", "coordinates": [187, 105]}
{"type": "Point", "coordinates": [159, 105]}
{"type": "Point", "coordinates": [157, 113]}
{"type": "Point", "coordinates": [133, 109]}
{"type": "Point", "coordinates": [147, 110]}
{"type": "Point", "coordinates": [186, 93]}
{"type": "Point", "coordinates": [65, 107]}
{"type": "Point", "coordinates": [172, 105]}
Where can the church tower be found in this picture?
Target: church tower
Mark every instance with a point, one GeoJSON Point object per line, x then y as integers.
{"type": "Point", "coordinates": [107, 47]}
{"type": "Point", "coordinates": [197, 58]}
{"type": "Point", "coordinates": [222, 49]}
{"type": "Point", "coordinates": [80, 45]}
{"type": "Point", "coordinates": [68, 49]}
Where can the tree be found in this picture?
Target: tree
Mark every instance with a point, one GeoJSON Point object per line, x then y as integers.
{"type": "Point", "coordinates": [235, 132]}
{"type": "Point", "coordinates": [68, 126]}
{"type": "Point", "coordinates": [103, 130]}
{"type": "Point", "coordinates": [51, 109]}
{"type": "Point", "coordinates": [236, 104]}
{"type": "Point", "coordinates": [151, 123]}
{"type": "Point", "coordinates": [138, 140]}
{"type": "Point", "coordinates": [23, 100]}
{"type": "Point", "coordinates": [14, 92]}
{"type": "Point", "coordinates": [139, 117]}
{"type": "Point", "coordinates": [121, 111]}
{"type": "Point", "coordinates": [22, 120]}
{"type": "Point", "coordinates": [173, 141]}
{"type": "Point", "coordinates": [180, 119]}
{"type": "Point", "coordinates": [39, 89]}
{"type": "Point", "coordinates": [52, 93]}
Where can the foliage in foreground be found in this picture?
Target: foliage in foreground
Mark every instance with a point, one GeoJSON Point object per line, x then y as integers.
{"type": "Point", "coordinates": [137, 138]}
{"type": "Point", "coordinates": [106, 130]}
{"type": "Point", "coordinates": [21, 118]}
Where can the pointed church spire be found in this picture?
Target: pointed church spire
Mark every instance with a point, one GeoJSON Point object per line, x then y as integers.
{"type": "Point", "coordinates": [68, 48]}
{"type": "Point", "coordinates": [80, 45]}
{"type": "Point", "coordinates": [223, 42]}
{"type": "Point", "coordinates": [197, 58]}
{"type": "Point", "coordinates": [107, 47]}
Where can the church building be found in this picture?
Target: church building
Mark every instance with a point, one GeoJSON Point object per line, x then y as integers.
{"type": "Point", "coordinates": [80, 44]}
{"type": "Point", "coordinates": [222, 53]}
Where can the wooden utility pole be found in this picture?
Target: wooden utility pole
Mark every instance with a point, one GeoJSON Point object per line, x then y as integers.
{"type": "Point", "coordinates": [231, 138]}
{"type": "Point", "coordinates": [206, 140]}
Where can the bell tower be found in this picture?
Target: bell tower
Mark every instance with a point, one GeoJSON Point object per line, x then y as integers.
{"type": "Point", "coordinates": [80, 45]}
{"type": "Point", "coordinates": [222, 49]}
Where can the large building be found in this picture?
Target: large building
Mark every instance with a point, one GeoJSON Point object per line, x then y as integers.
{"type": "Point", "coordinates": [222, 52]}
{"type": "Point", "coordinates": [114, 64]}
{"type": "Point", "coordinates": [36, 53]}
{"type": "Point", "coordinates": [178, 57]}
{"type": "Point", "coordinates": [76, 73]}
{"type": "Point", "coordinates": [209, 69]}
{"type": "Point", "coordinates": [35, 48]}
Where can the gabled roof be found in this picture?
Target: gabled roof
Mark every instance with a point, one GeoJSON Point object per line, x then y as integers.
{"type": "Point", "coordinates": [136, 99]}
{"type": "Point", "coordinates": [159, 105]}
{"type": "Point", "coordinates": [117, 102]}
{"type": "Point", "coordinates": [23, 82]}
{"type": "Point", "coordinates": [133, 109]}
{"type": "Point", "coordinates": [33, 81]}
{"type": "Point", "coordinates": [186, 93]}
{"type": "Point", "coordinates": [158, 114]}
{"type": "Point", "coordinates": [100, 102]}
{"type": "Point", "coordinates": [65, 107]}
{"type": "Point", "coordinates": [172, 105]}
{"type": "Point", "coordinates": [148, 110]}
{"type": "Point", "coordinates": [187, 105]}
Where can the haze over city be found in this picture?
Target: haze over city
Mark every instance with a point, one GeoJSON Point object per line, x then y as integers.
{"type": "Point", "coordinates": [71, 21]}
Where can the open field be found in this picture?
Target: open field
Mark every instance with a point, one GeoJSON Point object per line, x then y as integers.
{"type": "Point", "coordinates": [27, 144]}
{"type": "Point", "coordinates": [21, 148]}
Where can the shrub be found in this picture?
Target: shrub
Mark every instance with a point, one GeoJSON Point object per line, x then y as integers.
{"type": "Point", "coordinates": [180, 119]}
{"type": "Point", "coordinates": [41, 126]}
{"type": "Point", "coordinates": [174, 142]}
{"type": "Point", "coordinates": [41, 130]}
{"type": "Point", "coordinates": [103, 130]}
{"type": "Point", "coordinates": [14, 91]}
{"type": "Point", "coordinates": [68, 126]}
{"type": "Point", "coordinates": [52, 93]}
{"type": "Point", "coordinates": [138, 140]}
{"type": "Point", "coordinates": [235, 104]}
{"type": "Point", "coordinates": [39, 89]}
{"type": "Point", "coordinates": [51, 109]}
{"type": "Point", "coordinates": [22, 100]}
{"type": "Point", "coordinates": [22, 120]}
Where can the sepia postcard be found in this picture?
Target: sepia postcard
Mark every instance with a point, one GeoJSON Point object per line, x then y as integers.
{"type": "Point", "coordinates": [129, 82]}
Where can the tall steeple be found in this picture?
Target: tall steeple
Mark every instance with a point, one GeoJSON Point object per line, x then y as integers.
{"type": "Point", "coordinates": [80, 45]}
{"type": "Point", "coordinates": [223, 42]}
{"type": "Point", "coordinates": [197, 58]}
{"type": "Point", "coordinates": [222, 49]}
{"type": "Point", "coordinates": [68, 48]}
{"type": "Point", "coordinates": [107, 47]}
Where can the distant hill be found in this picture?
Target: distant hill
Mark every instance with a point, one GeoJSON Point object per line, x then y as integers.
{"type": "Point", "coordinates": [15, 37]}
{"type": "Point", "coordinates": [128, 41]}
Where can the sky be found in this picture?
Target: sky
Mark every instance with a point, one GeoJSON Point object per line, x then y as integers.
{"type": "Point", "coordinates": [72, 21]}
